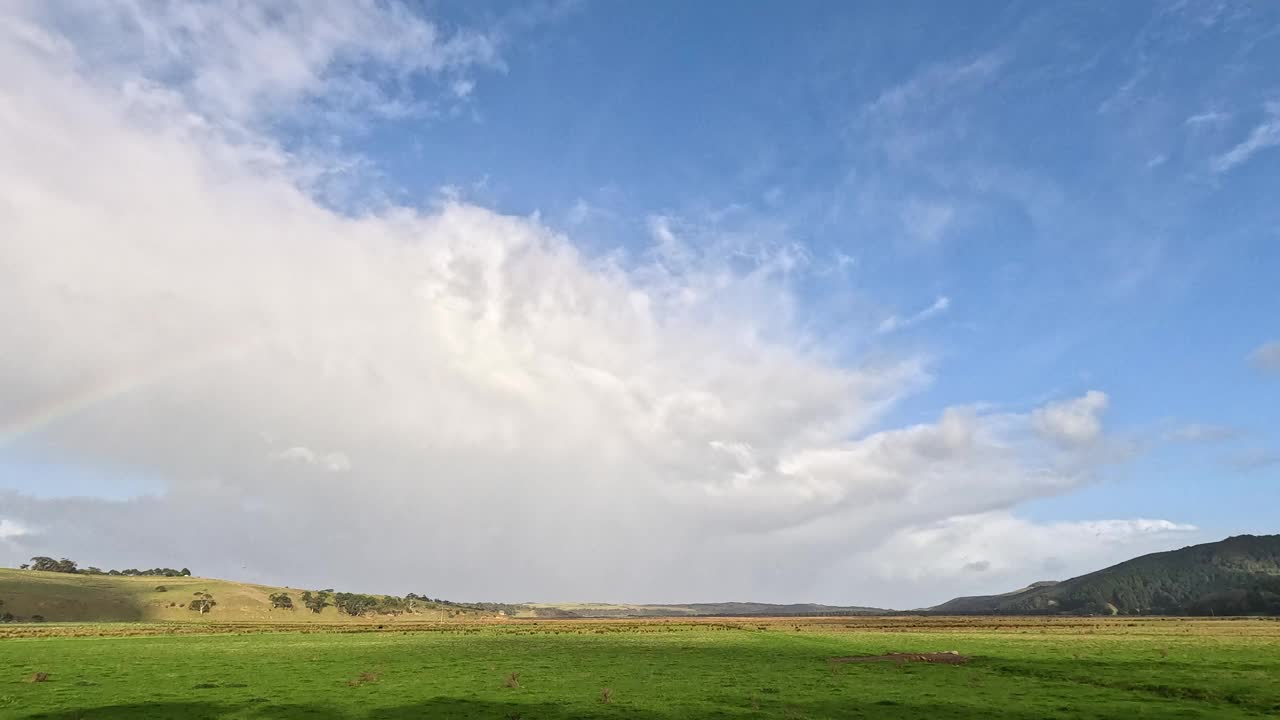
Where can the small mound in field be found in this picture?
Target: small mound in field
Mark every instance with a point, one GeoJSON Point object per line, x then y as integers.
{"type": "Point", "coordinates": [951, 657]}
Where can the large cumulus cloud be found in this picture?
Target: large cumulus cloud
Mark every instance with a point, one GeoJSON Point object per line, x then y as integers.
{"type": "Point", "coordinates": [437, 398]}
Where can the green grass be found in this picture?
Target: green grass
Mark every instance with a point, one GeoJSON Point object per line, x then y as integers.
{"type": "Point", "coordinates": [656, 670]}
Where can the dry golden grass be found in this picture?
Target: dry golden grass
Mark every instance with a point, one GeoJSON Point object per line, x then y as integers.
{"type": "Point", "coordinates": [1011, 625]}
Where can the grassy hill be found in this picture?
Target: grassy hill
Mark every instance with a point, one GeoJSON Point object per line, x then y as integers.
{"type": "Point", "coordinates": [1236, 576]}
{"type": "Point", "coordinates": [63, 597]}
{"type": "Point", "coordinates": [67, 597]}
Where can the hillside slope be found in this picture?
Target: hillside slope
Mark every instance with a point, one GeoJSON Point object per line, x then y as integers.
{"type": "Point", "coordinates": [1236, 576]}
{"type": "Point", "coordinates": [63, 597]}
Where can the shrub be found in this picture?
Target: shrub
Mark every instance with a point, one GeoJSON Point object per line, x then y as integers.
{"type": "Point", "coordinates": [161, 588]}
{"type": "Point", "coordinates": [37, 618]}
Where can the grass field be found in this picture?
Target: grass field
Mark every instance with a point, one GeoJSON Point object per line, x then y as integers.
{"type": "Point", "coordinates": [778, 668]}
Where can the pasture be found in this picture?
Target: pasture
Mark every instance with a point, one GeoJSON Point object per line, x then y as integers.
{"type": "Point", "coordinates": [1021, 668]}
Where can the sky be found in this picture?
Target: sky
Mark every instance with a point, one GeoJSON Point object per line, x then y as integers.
{"type": "Point", "coordinates": [869, 304]}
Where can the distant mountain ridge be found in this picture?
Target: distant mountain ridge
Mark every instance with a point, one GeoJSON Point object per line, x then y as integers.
{"type": "Point", "coordinates": [1236, 576]}
{"type": "Point", "coordinates": [726, 609]}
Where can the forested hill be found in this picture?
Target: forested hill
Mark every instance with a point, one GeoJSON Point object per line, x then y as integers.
{"type": "Point", "coordinates": [1236, 576]}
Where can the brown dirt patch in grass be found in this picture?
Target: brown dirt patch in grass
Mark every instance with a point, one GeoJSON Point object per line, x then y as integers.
{"type": "Point", "coordinates": [950, 657]}
{"type": "Point", "coordinates": [363, 678]}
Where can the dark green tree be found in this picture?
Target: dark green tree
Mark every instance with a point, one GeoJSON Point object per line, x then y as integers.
{"type": "Point", "coordinates": [203, 602]}
{"type": "Point", "coordinates": [354, 604]}
{"type": "Point", "coordinates": [315, 602]}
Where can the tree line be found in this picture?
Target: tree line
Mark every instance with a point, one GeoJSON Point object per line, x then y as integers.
{"type": "Point", "coordinates": [65, 565]}
{"type": "Point", "coordinates": [357, 604]}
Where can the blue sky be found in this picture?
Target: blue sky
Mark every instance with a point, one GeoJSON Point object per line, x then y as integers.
{"type": "Point", "coordinates": [1051, 171]}
{"type": "Point", "coordinates": [995, 208]}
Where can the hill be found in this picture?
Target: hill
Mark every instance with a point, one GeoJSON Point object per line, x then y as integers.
{"type": "Point", "coordinates": [74, 597]}
{"type": "Point", "coordinates": [65, 597]}
{"type": "Point", "coordinates": [984, 604]}
{"type": "Point", "coordinates": [1236, 576]}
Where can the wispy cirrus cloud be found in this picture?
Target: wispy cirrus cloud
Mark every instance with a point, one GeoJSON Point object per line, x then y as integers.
{"type": "Point", "coordinates": [1207, 119]}
{"type": "Point", "coordinates": [1202, 433]}
{"type": "Point", "coordinates": [1266, 357]}
{"type": "Point", "coordinates": [1253, 459]}
{"type": "Point", "coordinates": [255, 61]}
{"type": "Point", "coordinates": [935, 84]}
{"type": "Point", "coordinates": [1263, 136]}
{"type": "Point", "coordinates": [894, 323]}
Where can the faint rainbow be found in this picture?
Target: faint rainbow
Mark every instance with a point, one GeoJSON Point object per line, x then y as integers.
{"type": "Point", "coordinates": [77, 401]}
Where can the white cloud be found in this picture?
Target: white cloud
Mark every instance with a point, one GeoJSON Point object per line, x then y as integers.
{"type": "Point", "coordinates": [998, 552]}
{"type": "Point", "coordinates": [10, 530]}
{"type": "Point", "coordinates": [926, 223]}
{"type": "Point", "coordinates": [583, 212]}
{"type": "Point", "coordinates": [334, 461]}
{"type": "Point", "coordinates": [251, 61]}
{"type": "Point", "coordinates": [1202, 433]}
{"type": "Point", "coordinates": [1266, 356]}
{"type": "Point", "coordinates": [175, 304]}
{"type": "Point", "coordinates": [932, 85]}
{"type": "Point", "coordinates": [893, 322]}
{"type": "Point", "coordinates": [1074, 421]}
{"type": "Point", "coordinates": [1210, 118]}
{"type": "Point", "coordinates": [902, 123]}
{"type": "Point", "coordinates": [1253, 459]}
{"type": "Point", "coordinates": [1264, 135]}
{"type": "Point", "coordinates": [337, 462]}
